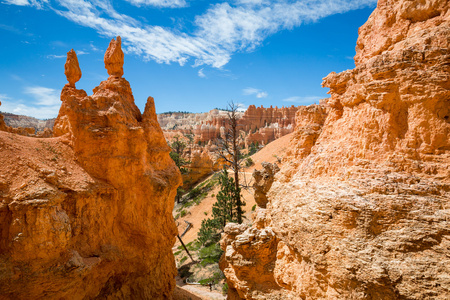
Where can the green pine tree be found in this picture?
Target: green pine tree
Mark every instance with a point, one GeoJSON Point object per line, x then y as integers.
{"type": "Point", "coordinates": [224, 210]}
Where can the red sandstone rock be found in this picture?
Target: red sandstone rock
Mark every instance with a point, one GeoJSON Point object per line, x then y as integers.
{"type": "Point", "coordinates": [88, 214]}
{"type": "Point", "coordinates": [114, 58]}
{"type": "Point", "coordinates": [360, 208]}
{"type": "Point", "coordinates": [72, 68]}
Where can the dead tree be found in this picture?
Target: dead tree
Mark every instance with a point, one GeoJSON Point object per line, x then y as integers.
{"type": "Point", "coordinates": [229, 151]}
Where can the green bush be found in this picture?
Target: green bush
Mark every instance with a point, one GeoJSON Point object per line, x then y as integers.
{"type": "Point", "coordinates": [253, 207]}
{"type": "Point", "coordinates": [183, 259]}
{"type": "Point", "coordinates": [249, 162]}
{"type": "Point", "coordinates": [210, 254]}
{"type": "Point", "coordinates": [225, 289]}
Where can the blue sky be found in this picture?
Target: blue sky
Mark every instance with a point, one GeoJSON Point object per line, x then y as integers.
{"type": "Point", "coordinates": [190, 55]}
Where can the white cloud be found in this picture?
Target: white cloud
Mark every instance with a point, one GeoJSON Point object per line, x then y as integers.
{"type": "Point", "coordinates": [93, 47]}
{"type": "Point", "coordinates": [253, 91]}
{"type": "Point", "coordinates": [17, 2]}
{"type": "Point", "coordinates": [241, 107]}
{"type": "Point", "coordinates": [222, 30]}
{"type": "Point", "coordinates": [37, 3]}
{"type": "Point", "coordinates": [201, 74]}
{"type": "Point", "coordinates": [52, 56]}
{"type": "Point", "coordinates": [262, 95]}
{"type": "Point", "coordinates": [43, 109]}
{"type": "Point", "coordinates": [303, 100]}
{"type": "Point", "coordinates": [44, 96]}
{"type": "Point", "coordinates": [159, 3]}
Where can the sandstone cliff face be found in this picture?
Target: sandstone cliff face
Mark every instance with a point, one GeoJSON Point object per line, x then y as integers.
{"type": "Point", "coordinates": [258, 124]}
{"type": "Point", "coordinates": [88, 214]}
{"type": "Point", "coordinates": [361, 209]}
{"type": "Point", "coordinates": [201, 166]}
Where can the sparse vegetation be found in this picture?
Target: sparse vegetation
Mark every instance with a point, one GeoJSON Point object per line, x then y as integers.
{"type": "Point", "coordinates": [249, 162]}
{"type": "Point", "coordinates": [224, 210]}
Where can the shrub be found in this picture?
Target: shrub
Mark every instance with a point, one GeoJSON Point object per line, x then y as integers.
{"type": "Point", "coordinates": [249, 162]}
{"type": "Point", "coordinates": [225, 289]}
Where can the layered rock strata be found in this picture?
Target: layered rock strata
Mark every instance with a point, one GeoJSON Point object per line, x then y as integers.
{"type": "Point", "coordinates": [361, 208]}
{"type": "Point", "coordinates": [88, 214]}
{"type": "Point", "coordinates": [258, 124]}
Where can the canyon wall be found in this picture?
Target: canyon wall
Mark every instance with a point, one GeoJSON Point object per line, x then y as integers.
{"type": "Point", "coordinates": [88, 214]}
{"type": "Point", "coordinates": [361, 207]}
{"type": "Point", "coordinates": [259, 125]}
{"type": "Point", "coordinates": [17, 121]}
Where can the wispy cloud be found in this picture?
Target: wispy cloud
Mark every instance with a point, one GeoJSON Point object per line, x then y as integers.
{"type": "Point", "coordinates": [53, 56]}
{"type": "Point", "coordinates": [222, 30]}
{"type": "Point", "coordinates": [15, 30]}
{"type": "Point", "coordinates": [46, 103]}
{"type": "Point", "coordinates": [241, 107]}
{"type": "Point", "coordinates": [159, 3]}
{"type": "Point", "coordinates": [93, 47]}
{"type": "Point", "coordinates": [36, 3]}
{"type": "Point", "coordinates": [303, 100]}
{"type": "Point", "coordinates": [252, 91]}
{"type": "Point", "coordinates": [79, 52]}
{"type": "Point", "coordinates": [43, 95]}
{"type": "Point", "coordinates": [201, 74]}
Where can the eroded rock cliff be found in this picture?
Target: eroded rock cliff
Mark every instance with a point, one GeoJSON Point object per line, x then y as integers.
{"type": "Point", "coordinates": [361, 208]}
{"type": "Point", "coordinates": [88, 214]}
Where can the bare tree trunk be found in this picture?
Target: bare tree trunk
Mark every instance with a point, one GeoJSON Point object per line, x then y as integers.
{"type": "Point", "coordinates": [184, 246]}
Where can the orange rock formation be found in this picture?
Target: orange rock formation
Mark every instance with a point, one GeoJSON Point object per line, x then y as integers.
{"type": "Point", "coordinates": [72, 69]}
{"type": "Point", "coordinates": [360, 210]}
{"type": "Point", "coordinates": [114, 58]}
{"type": "Point", "coordinates": [88, 214]}
{"type": "Point", "coordinates": [258, 124]}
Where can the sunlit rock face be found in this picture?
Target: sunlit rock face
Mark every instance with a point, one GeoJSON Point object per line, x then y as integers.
{"type": "Point", "coordinates": [88, 214]}
{"type": "Point", "coordinates": [72, 68]}
{"type": "Point", "coordinates": [361, 208]}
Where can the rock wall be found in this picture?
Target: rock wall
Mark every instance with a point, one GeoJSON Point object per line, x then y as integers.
{"type": "Point", "coordinates": [19, 121]}
{"type": "Point", "coordinates": [360, 210]}
{"type": "Point", "coordinates": [88, 214]}
{"type": "Point", "coordinates": [259, 125]}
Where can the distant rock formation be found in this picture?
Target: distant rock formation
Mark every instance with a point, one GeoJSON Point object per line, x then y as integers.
{"type": "Point", "coordinates": [42, 128]}
{"type": "Point", "coordinates": [360, 210]}
{"type": "Point", "coordinates": [259, 125]}
{"type": "Point", "coordinates": [88, 214]}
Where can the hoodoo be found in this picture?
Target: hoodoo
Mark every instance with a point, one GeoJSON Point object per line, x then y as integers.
{"type": "Point", "coordinates": [88, 214]}
{"type": "Point", "coordinates": [72, 68]}
{"type": "Point", "coordinates": [360, 209]}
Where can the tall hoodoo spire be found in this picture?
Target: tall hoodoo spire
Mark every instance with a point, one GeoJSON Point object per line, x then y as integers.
{"type": "Point", "coordinates": [72, 68]}
{"type": "Point", "coordinates": [114, 58]}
